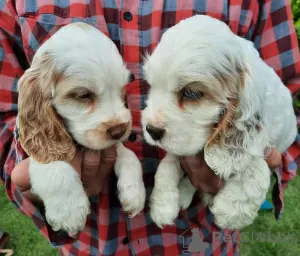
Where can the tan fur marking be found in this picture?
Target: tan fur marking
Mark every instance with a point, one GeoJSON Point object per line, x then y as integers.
{"type": "Point", "coordinates": [42, 133]}
{"type": "Point", "coordinates": [224, 124]}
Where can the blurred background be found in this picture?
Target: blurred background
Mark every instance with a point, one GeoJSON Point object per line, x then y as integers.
{"type": "Point", "coordinates": [25, 239]}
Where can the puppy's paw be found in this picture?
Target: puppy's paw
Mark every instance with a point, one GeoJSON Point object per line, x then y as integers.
{"type": "Point", "coordinates": [132, 197]}
{"type": "Point", "coordinates": [61, 190]}
{"type": "Point", "coordinates": [164, 206]}
{"type": "Point", "coordinates": [186, 192]}
{"type": "Point", "coordinates": [233, 214]}
{"type": "Point", "coordinates": [67, 212]}
{"type": "Point", "coordinates": [207, 199]}
{"type": "Point", "coordinates": [131, 189]}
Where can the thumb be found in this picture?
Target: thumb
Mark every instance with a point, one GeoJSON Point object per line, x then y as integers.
{"type": "Point", "coordinates": [20, 175]}
{"type": "Point", "coordinates": [273, 158]}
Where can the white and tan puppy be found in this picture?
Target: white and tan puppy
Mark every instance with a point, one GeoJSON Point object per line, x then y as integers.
{"type": "Point", "coordinates": [74, 93]}
{"type": "Point", "coordinates": [211, 91]}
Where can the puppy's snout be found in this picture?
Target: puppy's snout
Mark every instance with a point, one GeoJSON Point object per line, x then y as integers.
{"type": "Point", "coordinates": [155, 132]}
{"type": "Point", "coordinates": [116, 132]}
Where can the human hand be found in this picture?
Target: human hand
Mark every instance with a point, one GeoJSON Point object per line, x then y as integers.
{"type": "Point", "coordinates": [205, 180]}
{"type": "Point", "coordinates": [93, 168]}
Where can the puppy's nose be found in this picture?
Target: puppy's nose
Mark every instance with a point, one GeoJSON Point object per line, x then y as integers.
{"type": "Point", "coordinates": [155, 133]}
{"type": "Point", "coordinates": [116, 132]}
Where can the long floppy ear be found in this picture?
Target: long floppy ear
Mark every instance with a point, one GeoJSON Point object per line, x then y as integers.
{"type": "Point", "coordinates": [238, 136]}
{"type": "Point", "coordinates": [42, 133]}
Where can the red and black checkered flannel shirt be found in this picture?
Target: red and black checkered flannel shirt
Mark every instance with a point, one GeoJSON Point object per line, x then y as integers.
{"type": "Point", "coordinates": [136, 27]}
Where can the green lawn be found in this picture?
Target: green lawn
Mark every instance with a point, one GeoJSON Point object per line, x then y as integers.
{"type": "Point", "coordinates": [26, 240]}
{"type": "Point", "coordinates": [288, 223]}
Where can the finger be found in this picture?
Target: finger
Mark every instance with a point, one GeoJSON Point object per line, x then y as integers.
{"type": "Point", "coordinates": [108, 159]}
{"type": "Point", "coordinates": [90, 166]}
{"type": "Point", "coordinates": [202, 177]}
{"type": "Point", "coordinates": [77, 161]}
{"type": "Point", "coordinates": [193, 163]}
{"type": "Point", "coordinates": [91, 161]}
{"type": "Point", "coordinates": [274, 159]}
{"type": "Point", "coordinates": [184, 164]}
{"type": "Point", "coordinates": [212, 188]}
{"type": "Point", "coordinates": [20, 175]}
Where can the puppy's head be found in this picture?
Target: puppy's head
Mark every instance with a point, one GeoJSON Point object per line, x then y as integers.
{"type": "Point", "coordinates": [197, 77]}
{"type": "Point", "coordinates": [74, 90]}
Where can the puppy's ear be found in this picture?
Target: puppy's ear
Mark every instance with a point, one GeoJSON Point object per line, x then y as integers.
{"type": "Point", "coordinates": [238, 136]}
{"type": "Point", "coordinates": [42, 133]}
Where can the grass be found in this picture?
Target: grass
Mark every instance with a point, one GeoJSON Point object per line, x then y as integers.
{"type": "Point", "coordinates": [25, 239]}
{"type": "Point", "coordinates": [288, 223]}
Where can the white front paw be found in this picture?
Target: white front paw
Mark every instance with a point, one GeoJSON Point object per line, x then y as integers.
{"type": "Point", "coordinates": [187, 191]}
{"type": "Point", "coordinates": [61, 190]}
{"type": "Point", "coordinates": [164, 205]}
{"type": "Point", "coordinates": [207, 199]}
{"type": "Point", "coordinates": [67, 212]}
{"type": "Point", "coordinates": [132, 192]}
{"type": "Point", "coordinates": [132, 197]}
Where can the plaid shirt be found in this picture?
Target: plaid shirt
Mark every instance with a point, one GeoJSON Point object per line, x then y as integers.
{"type": "Point", "coordinates": [136, 27]}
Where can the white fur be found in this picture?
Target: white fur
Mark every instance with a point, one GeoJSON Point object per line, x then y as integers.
{"type": "Point", "coordinates": [61, 190]}
{"type": "Point", "coordinates": [88, 59]}
{"type": "Point", "coordinates": [131, 188]}
{"type": "Point", "coordinates": [198, 50]}
{"type": "Point", "coordinates": [164, 201]}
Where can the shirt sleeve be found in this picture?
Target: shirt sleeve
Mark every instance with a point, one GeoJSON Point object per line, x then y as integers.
{"type": "Point", "coordinates": [276, 40]}
{"type": "Point", "coordinates": [13, 63]}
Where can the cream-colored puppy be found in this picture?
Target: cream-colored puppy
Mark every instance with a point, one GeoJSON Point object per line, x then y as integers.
{"type": "Point", "coordinates": [211, 91]}
{"type": "Point", "coordinates": [74, 93]}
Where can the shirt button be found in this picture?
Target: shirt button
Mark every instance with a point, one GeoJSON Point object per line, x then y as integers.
{"type": "Point", "coordinates": [128, 16]}
{"type": "Point", "coordinates": [132, 137]}
{"type": "Point", "coordinates": [131, 78]}
{"type": "Point", "coordinates": [125, 240]}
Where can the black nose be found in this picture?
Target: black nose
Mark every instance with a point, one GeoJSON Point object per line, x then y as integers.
{"type": "Point", "coordinates": [155, 133]}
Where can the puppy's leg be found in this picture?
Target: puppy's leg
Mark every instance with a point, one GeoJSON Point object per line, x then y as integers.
{"type": "Point", "coordinates": [237, 204]}
{"type": "Point", "coordinates": [187, 191]}
{"type": "Point", "coordinates": [61, 190]}
{"type": "Point", "coordinates": [207, 199]}
{"type": "Point", "coordinates": [164, 201]}
{"type": "Point", "coordinates": [131, 187]}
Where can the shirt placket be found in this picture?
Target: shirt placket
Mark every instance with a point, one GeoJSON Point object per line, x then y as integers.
{"type": "Point", "coordinates": [129, 13]}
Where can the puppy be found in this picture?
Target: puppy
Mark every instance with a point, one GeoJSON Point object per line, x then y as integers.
{"type": "Point", "coordinates": [210, 91]}
{"type": "Point", "coordinates": [74, 93]}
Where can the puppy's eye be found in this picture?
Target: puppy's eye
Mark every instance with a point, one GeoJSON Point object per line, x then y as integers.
{"type": "Point", "coordinates": [84, 96]}
{"type": "Point", "coordinates": [187, 94]}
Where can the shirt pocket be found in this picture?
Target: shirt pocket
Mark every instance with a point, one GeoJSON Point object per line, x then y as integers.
{"type": "Point", "coordinates": [36, 29]}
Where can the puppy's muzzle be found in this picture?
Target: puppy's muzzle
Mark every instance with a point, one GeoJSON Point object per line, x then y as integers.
{"type": "Point", "coordinates": [155, 132]}
{"type": "Point", "coordinates": [116, 132]}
